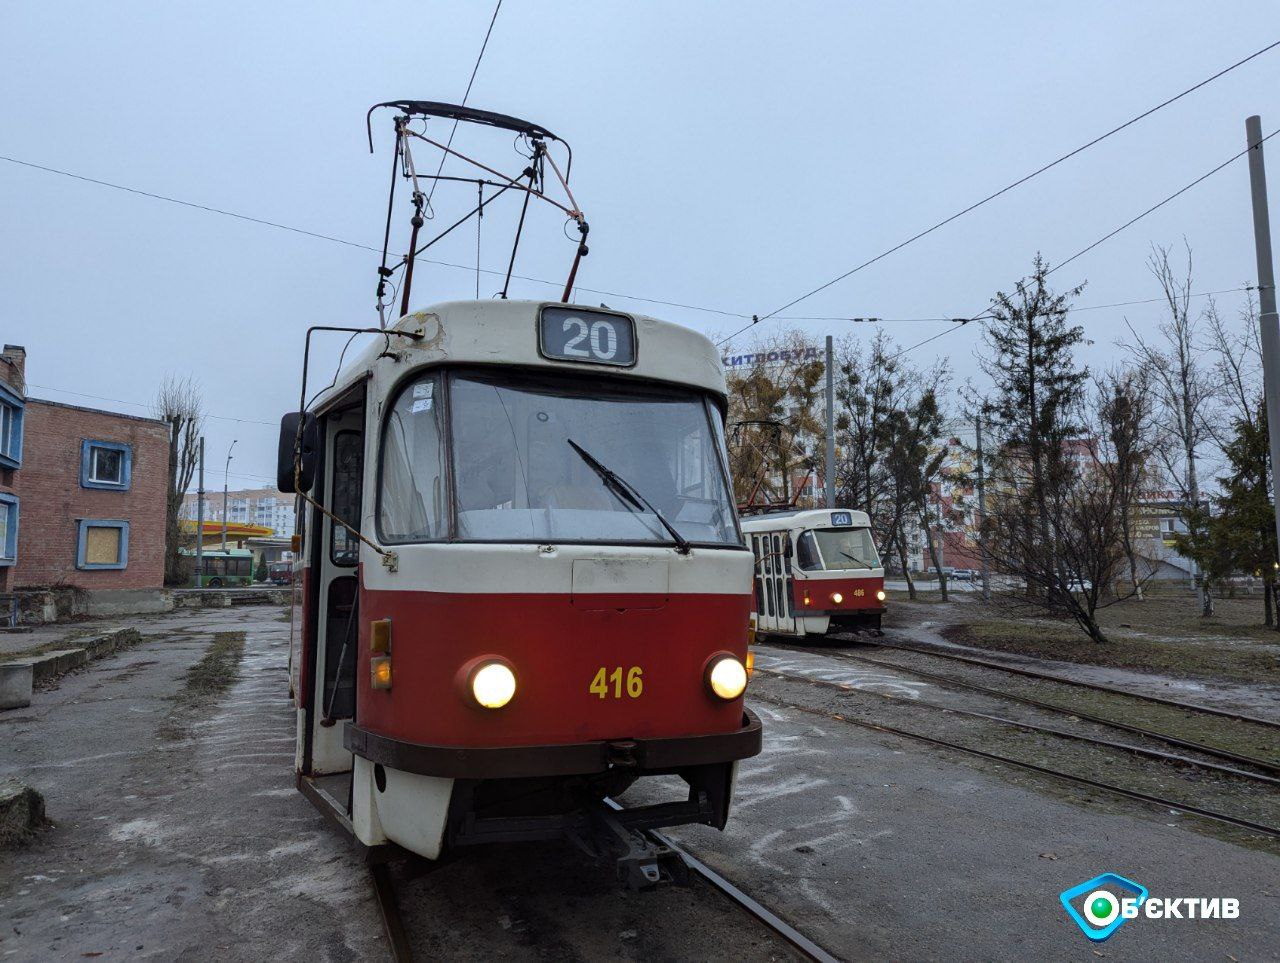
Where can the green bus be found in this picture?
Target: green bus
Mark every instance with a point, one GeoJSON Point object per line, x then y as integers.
{"type": "Point", "coordinates": [222, 567]}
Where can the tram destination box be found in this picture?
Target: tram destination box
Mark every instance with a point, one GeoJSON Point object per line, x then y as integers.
{"type": "Point", "coordinates": [589, 337]}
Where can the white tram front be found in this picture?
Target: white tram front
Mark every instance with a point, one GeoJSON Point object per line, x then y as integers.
{"type": "Point", "coordinates": [523, 584]}
{"type": "Point", "coordinates": [816, 571]}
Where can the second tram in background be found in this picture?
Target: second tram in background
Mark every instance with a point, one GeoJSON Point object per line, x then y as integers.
{"type": "Point", "coordinates": [816, 571]}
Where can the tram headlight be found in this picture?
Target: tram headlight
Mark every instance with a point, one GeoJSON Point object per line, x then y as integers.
{"type": "Point", "coordinates": [726, 677]}
{"type": "Point", "coordinates": [837, 597]}
{"type": "Point", "coordinates": [879, 595]}
{"type": "Point", "coordinates": [493, 685]}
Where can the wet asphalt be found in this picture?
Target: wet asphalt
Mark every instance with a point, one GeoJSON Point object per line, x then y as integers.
{"type": "Point", "coordinates": [178, 835]}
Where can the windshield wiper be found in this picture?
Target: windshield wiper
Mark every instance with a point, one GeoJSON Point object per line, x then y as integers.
{"type": "Point", "coordinates": [852, 559]}
{"type": "Point", "coordinates": [628, 494]}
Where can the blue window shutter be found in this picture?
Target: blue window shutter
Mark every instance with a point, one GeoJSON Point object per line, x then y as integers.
{"type": "Point", "coordinates": [9, 505]}
{"type": "Point", "coordinates": [87, 447]}
{"type": "Point", "coordinates": [11, 456]}
{"type": "Point", "coordinates": [82, 536]}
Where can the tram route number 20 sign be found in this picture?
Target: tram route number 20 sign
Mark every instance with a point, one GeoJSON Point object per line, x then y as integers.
{"type": "Point", "coordinates": [592, 337]}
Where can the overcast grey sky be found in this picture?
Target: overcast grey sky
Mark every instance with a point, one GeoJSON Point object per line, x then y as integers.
{"type": "Point", "coordinates": [727, 155]}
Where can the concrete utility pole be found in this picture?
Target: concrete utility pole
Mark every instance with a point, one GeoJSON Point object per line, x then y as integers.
{"type": "Point", "coordinates": [982, 512]}
{"type": "Point", "coordinates": [1266, 297]}
{"type": "Point", "coordinates": [226, 472]}
{"type": "Point", "coordinates": [200, 520]}
{"type": "Point", "coordinates": [831, 428]}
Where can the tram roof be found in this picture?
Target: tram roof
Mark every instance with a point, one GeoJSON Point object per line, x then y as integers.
{"type": "Point", "coordinates": [803, 518]}
{"type": "Point", "coordinates": [494, 332]}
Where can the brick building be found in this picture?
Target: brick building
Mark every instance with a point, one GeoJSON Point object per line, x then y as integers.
{"type": "Point", "coordinates": [82, 494]}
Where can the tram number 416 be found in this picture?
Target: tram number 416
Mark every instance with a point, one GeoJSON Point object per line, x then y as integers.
{"type": "Point", "coordinates": [617, 681]}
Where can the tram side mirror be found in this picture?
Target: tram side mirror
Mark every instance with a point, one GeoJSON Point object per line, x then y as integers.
{"type": "Point", "coordinates": [306, 442]}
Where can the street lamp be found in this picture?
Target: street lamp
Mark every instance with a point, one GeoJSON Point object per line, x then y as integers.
{"type": "Point", "coordinates": [225, 474]}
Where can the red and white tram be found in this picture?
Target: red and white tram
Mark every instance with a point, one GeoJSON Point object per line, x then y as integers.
{"type": "Point", "coordinates": [816, 571]}
{"type": "Point", "coordinates": [523, 585]}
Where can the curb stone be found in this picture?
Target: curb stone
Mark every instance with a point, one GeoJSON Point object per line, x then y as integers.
{"type": "Point", "coordinates": [19, 676]}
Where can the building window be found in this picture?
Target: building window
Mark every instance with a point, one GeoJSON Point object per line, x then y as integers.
{"type": "Point", "coordinates": [105, 464]}
{"type": "Point", "coordinates": [8, 529]}
{"type": "Point", "coordinates": [12, 407]}
{"type": "Point", "coordinates": [102, 543]}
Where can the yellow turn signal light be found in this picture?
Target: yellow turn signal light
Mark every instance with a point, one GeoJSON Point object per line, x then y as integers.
{"type": "Point", "coordinates": [380, 636]}
{"type": "Point", "coordinates": [880, 595]}
{"type": "Point", "coordinates": [493, 685]}
{"type": "Point", "coordinates": [751, 664]}
{"type": "Point", "coordinates": [837, 597]}
{"type": "Point", "coordinates": [380, 672]}
{"type": "Point", "coordinates": [727, 677]}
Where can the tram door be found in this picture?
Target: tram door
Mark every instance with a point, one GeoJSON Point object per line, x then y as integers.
{"type": "Point", "coordinates": [335, 554]}
{"type": "Point", "coordinates": [775, 605]}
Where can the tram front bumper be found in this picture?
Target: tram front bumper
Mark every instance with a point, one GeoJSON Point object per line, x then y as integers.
{"type": "Point", "coordinates": [667, 754]}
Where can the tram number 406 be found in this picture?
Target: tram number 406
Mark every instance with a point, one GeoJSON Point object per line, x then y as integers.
{"type": "Point", "coordinates": [613, 683]}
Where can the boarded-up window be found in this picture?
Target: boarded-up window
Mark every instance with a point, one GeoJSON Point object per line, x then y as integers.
{"type": "Point", "coordinates": [102, 546]}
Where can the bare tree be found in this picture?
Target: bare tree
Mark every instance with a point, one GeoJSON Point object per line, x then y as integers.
{"type": "Point", "coordinates": [180, 404]}
{"type": "Point", "coordinates": [912, 462]}
{"type": "Point", "coordinates": [1123, 417]}
{"type": "Point", "coordinates": [773, 420]}
{"type": "Point", "coordinates": [1238, 426]}
{"type": "Point", "coordinates": [868, 388]}
{"type": "Point", "coordinates": [1184, 384]}
{"type": "Point", "coordinates": [1238, 353]}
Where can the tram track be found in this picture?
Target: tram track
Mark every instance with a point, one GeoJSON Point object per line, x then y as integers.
{"type": "Point", "coordinates": [936, 652]}
{"type": "Point", "coordinates": [384, 892]}
{"type": "Point", "coordinates": [762, 914]}
{"type": "Point", "coordinates": [1153, 734]}
{"type": "Point", "coordinates": [400, 949]}
{"type": "Point", "coordinates": [1150, 798]}
{"type": "Point", "coordinates": [1031, 727]}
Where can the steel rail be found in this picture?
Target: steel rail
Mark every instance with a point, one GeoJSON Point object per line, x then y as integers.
{"type": "Point", "coordinates": [1095, 686]}
{"type": "Point", "coordinates": [759, 912]}
{"type": "Point", "coordinates": [1207, 750]}
{"type": "Point", "coordinates": [389, 909]}
{"type": "Point", "coordinates": [766, 916]}
{"type": "Point", "coordinates": [847, 689]}
{"type": "Point", "coordinates": [1032, 767]}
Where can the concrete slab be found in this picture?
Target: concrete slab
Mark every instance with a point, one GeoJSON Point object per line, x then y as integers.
{"type": "Point", "coordinates": [16, 680]}
{"type": "Point", "coordinates": [21, 812]}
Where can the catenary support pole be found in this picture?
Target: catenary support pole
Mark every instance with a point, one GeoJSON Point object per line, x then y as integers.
{"type": "Point", "coordinates": [982, 511]}
{"type": "Point", "coordinates": [200, 520]}
{"type": "Point", "coordinates": [226, 472]}
{"type": "Point", "coordinates": [831, 428]}
{"type": "Point", "coordinates": [1266, 296]}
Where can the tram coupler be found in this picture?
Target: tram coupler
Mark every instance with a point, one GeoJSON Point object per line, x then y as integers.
{"type": "Point", "coordinates": [641, 862]}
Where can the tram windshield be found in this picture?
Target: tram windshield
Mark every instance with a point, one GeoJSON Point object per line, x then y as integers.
{"type": "Point", "coordinates": [516, 477]}
{"type": "Point", "coordinates": [836, 549]}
